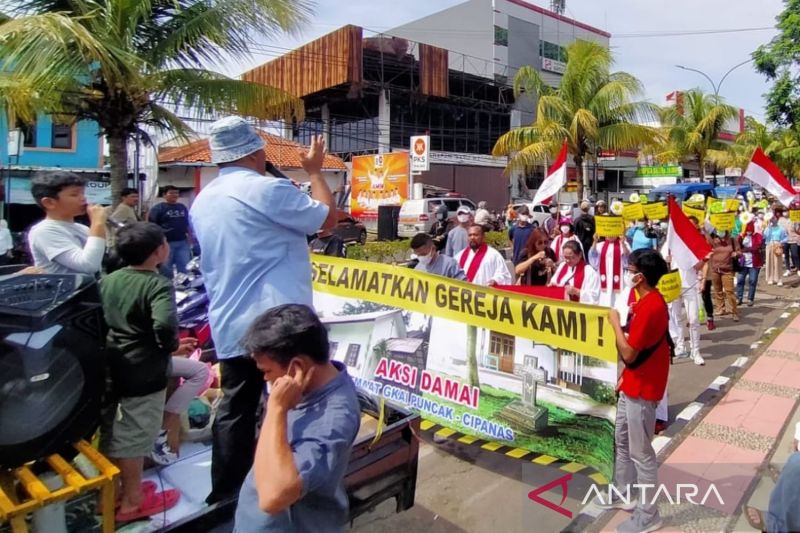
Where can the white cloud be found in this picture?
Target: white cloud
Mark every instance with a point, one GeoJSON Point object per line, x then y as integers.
{"type": "Point", "coordinates": [652, 59]}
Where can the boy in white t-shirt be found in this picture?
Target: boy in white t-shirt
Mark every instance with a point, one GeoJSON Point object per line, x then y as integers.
{"type": "Point", "coordinates": [58, 244]}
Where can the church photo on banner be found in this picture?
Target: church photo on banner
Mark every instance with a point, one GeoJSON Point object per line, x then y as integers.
{"type": "Point", "coordinates": [520, 371]}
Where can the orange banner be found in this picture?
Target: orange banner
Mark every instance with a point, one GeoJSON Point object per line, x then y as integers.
{"type": "Point", "coordinates": [380, 179]}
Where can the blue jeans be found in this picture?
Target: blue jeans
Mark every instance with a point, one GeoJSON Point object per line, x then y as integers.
{"type": "Point", "coordinates": [179, 255]}
{"type": "Point", "coordinates": [752, 273]}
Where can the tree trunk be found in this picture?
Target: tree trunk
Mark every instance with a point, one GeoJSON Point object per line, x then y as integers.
{"type": "Point", "coordinates": [702, 160]}
{"type": "Point", "coordinates": [472, 357]}
{"type": "Point", "coordinates": [579, 169]}
{"type": "Point", "coordinates": [118, 155]}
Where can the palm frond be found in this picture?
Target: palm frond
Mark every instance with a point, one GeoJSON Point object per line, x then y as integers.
{"type": "Point", "coordinates": [528, 81]}
{"type": "Point", "coordinates": [205, 91]}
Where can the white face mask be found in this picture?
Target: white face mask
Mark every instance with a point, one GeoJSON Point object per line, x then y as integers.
{"type": "Point", "coordinates": [640, 225]}
{"type": "Point", "coordinates": [463, 218]}
{"type": "Point", "coordinates": [565, 229]}
{"type": "Point", "coordinates": [524, 219]}
{"type": "Point", "coordinates": [425, 260]}
{"type": "Point", "coordinates": [630, 279]}
{"type": "Point", "coordinates": [553, 211]}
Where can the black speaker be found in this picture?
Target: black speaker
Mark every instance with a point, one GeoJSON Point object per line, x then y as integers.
{"type": "Point", "coordinates": [52, 364]}
{"type": "Point", "coordinates": [388, 215]}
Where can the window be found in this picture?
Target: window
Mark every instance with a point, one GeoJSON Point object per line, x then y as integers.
{"type": "Point", "coordinates": [552, 51]}
{"type": "Point", "coordinates": [351, 359]}
{"type": "Point", "coordinates": [502, 346]}
{"type": "Point", "coordinates": [28, 132]}
{"type": "Point", "coordinates": [500, 36]}
{"type": "Point", "coordinates": [62, 136]}
{"type": "Point", "coordinates": [333, 347]}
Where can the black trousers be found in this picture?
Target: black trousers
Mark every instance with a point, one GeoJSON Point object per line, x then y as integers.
{"type": "Point", "coordinates": [707, 303]}
{"type": "Point", "coordinates": [234, 430]}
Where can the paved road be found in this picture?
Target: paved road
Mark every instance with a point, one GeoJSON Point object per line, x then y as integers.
{"type": "Point", "coordinates": [468, 489]}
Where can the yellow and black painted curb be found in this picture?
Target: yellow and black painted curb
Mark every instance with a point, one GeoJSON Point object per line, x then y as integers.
{"type": "Point", "coordinates": [432, 429]}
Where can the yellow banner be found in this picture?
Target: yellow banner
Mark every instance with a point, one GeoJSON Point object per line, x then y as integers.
{"type": "Point", "coordinates": [670, 286]}
{"type": "Point", "coordinates": [632, 211]}
{"type": "Point", "coordinates": [570, 326]}
{"type": "Point", "coordinates": [696, 211]}
{"type": "Point", "coordinates": [609, 226]}
{"type": "Point", "coordinates": [732, 204]}
{"type": "Point", "coordinates": [794, 215]}
{"type": "Point", "coordinates": [656, 211]}
{"type": "Point", "coordinates": [723, 221]}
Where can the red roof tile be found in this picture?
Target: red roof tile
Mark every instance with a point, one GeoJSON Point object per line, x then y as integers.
{"type": "Point", "coordinates": [281, 152]}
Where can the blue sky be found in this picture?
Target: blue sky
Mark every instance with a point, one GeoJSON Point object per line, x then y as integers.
{"type": "Point", "coordinates": [651, 58]}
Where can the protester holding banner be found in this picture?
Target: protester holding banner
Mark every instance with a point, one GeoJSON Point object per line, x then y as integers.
{"type": "Point", "coordinates": [610, 259]}
{"type": "Point", "coordinates": [433, 262]}
{"type": "Point", "coordinates": [580, 280]}
{"type": "Point", "coordinates": [751, 245]}
{"type": "Point", "coordinates": [252, 230]}
{"type": "Point", "coordinates": [600, 208]}
{"type": "Point", "coordinates": [565, 235]}
{"type": "Point", "coordinates": [774, 239]}
{"type": "Point", "coordinates": [537, 261]}
{"type": "Point", "coordinates": [641, 386]}
{"type": "Point", "coordinates": [457, 238]}
{"type": "Point", "coordinates": [482, 264]}
{"type": "Point", "coordinates": [724, 249]}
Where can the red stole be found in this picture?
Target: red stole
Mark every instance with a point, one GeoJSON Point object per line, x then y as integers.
{"type": "Point", "coordinates": [476, 261]}
{"type": "Point", "coordinates": [577, 279]}
{"type": "Point", "coordinates": [617, 266]}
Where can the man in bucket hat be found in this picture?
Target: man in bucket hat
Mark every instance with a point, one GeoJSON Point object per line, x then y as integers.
{"type": "Point", "coordinates": [252, 232]}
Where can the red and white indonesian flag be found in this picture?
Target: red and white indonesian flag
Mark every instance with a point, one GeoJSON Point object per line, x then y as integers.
{"type": "Point", "coordinates": [763, 171]}
{"type": "Point", "coordinates": [685, 243]}
{"type": "Point", "coordinates": [555, 180]}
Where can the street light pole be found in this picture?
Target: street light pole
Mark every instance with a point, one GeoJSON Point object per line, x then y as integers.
{"type": "Point", "coordinates": [714, 86]}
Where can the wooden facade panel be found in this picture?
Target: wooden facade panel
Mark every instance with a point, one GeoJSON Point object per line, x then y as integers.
{"type": "Point", "coordinates": [331, 60]}
{"type": "Point", "coordinates": [433, 71]}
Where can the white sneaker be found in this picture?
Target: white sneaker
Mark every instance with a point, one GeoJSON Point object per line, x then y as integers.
{"type": "Point", "coordinates": [698, 359]}
{"type": "Point", "coordinates": [798, 272]}
{"type": "Point", "coordinates": [770, 282]}
{"type": "Point", "coordinates": [162, 454]}
{"type": "Point", "coordinates": [786, 273]}
{"type": "Point", "coordinates": [780, 284]}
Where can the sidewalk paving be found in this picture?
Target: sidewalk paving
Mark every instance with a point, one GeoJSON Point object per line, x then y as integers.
{"type": "Point", "coordinates": [730, 444]}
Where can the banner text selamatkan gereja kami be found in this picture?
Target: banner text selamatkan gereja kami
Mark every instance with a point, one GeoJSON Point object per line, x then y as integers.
{"type": "Point", "coordinates": [560, 324]}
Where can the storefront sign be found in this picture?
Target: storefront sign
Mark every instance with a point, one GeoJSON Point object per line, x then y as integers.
{"type": "Point", "coordinates": [420, 153]}
{"type": "Point", "coordinates": [551, 65]}
{"type": "Point", "coordinates": [656, 171]}
{"type": "Point", "coordinates": [19, 191]}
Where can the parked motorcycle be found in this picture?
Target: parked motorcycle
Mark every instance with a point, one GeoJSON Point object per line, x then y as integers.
{"type": "Point", "coordinates": [192, 302]}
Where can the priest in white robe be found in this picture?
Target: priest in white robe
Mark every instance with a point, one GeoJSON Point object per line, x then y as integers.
{"type": "Point", "coordinates": [609, 258]}
{"type": "Point", "coordinates": [581, 280]}
{"type": "Point", "coordinates": [482, 264]}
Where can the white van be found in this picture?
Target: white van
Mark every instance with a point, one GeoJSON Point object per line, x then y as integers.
{"type": "Point", "coordinates": [418, 216]}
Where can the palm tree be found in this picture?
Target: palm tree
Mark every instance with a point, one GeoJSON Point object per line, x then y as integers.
{"type": "Point", "coordinates": [591, 108]}
{"type": "Point", "coordinates": [691, 129]}
{"type": "Point", "coordinates": [131, 64]}
{"type": "Point", "coordinates": [755, 134]}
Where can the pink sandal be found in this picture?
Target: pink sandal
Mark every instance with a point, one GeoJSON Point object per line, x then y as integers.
{"type": "Point", "coordinates": [153, 503]}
